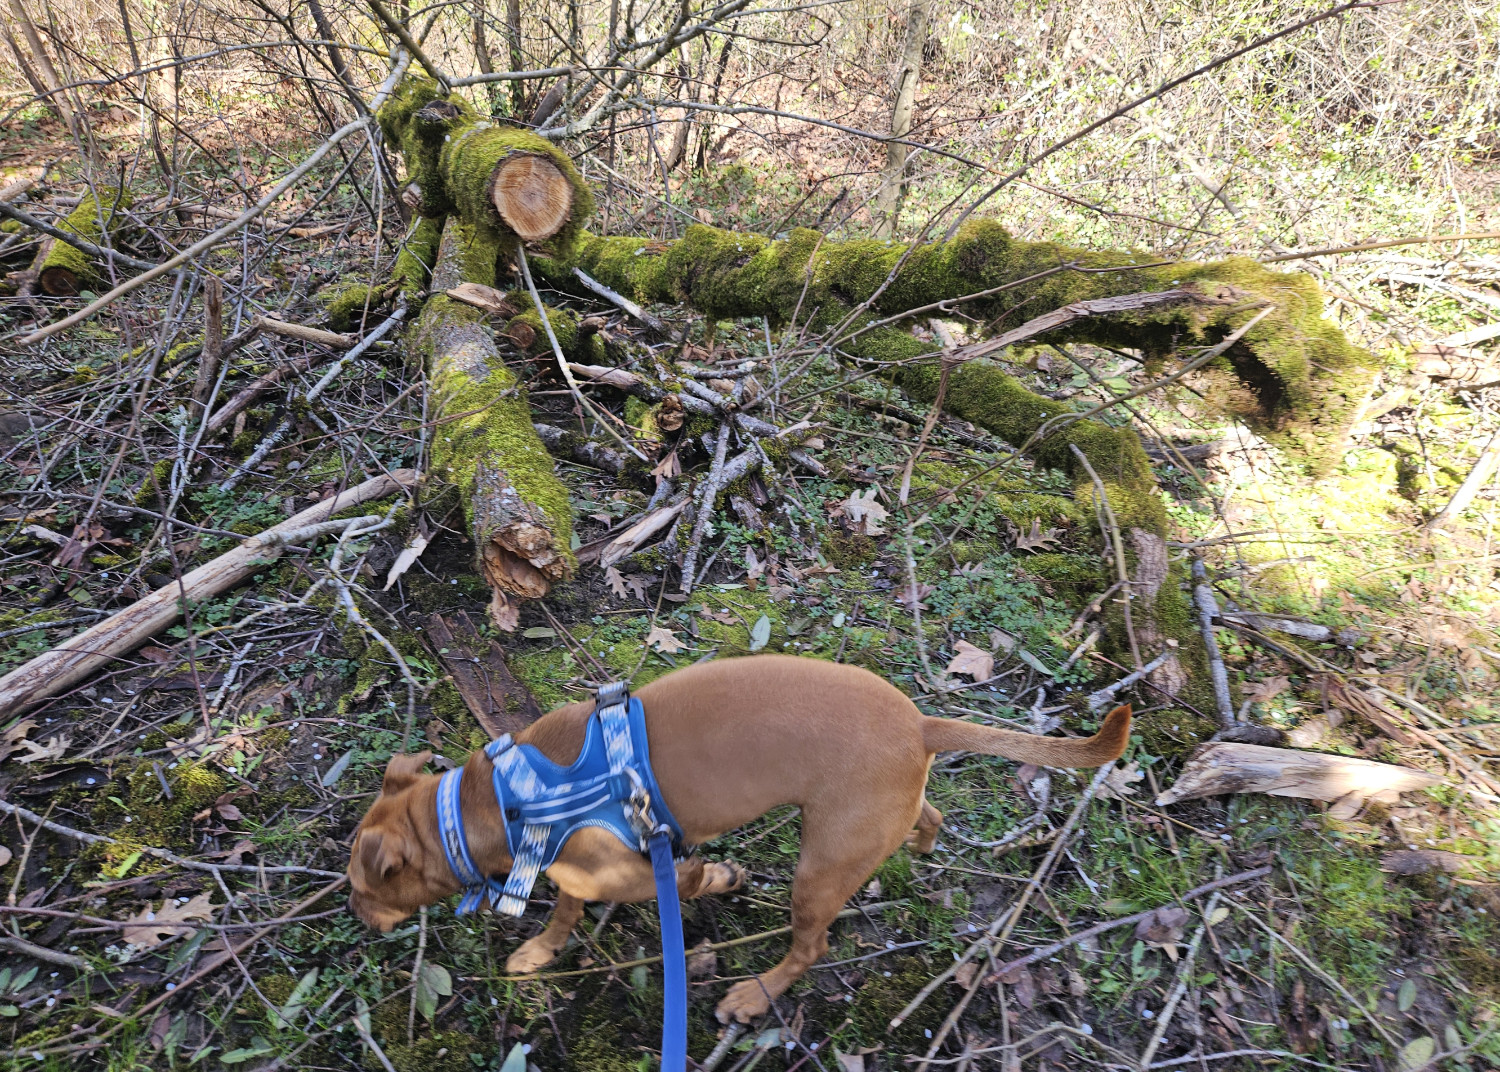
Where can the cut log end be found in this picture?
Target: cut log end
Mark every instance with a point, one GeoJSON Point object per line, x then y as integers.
{"type": "Point", "coordinates": [532, 195]}
{"type": "Point", "coordinates": [59, 282]}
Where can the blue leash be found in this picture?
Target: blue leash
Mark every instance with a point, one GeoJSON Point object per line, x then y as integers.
{"type": "Point", "coordinates": [674, 956]}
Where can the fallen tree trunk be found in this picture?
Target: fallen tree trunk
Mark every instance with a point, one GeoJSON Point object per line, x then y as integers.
{"type": "Point", "coordinates": [505, 183]}
{"type": "Point", "coordinates": [485, 444]}
{"type": "Point", "coordinates": [77, 658]}
{"type": "Point", "coordinates": [64, 270]}
{"type": "Point", "coordinates": [1294, 377]}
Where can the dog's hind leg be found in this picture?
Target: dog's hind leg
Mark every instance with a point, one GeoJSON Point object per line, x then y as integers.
{"type": "Point", "coordinates": [838, 855]}
{"type": "Point", "coordinates": [923, 838]}
{"type": "Point", "coordinates": [541, 950]}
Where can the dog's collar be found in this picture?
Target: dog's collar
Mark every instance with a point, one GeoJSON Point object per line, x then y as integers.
{"type": "Point", "coordinates": [450, 816]}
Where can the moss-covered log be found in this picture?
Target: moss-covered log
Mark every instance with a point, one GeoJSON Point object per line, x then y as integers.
{"type": "Point", "coordinates": [1293, 376]}
{"type": "Point", "coordinates": [64, 270]}
{"type": "Point", "coordinates": [485, 446]}
{"type": "Point", "coordinates": [505, 183]}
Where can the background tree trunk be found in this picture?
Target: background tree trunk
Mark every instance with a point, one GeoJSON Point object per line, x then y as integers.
{"type": "Point", "coordinates": [893, 178]}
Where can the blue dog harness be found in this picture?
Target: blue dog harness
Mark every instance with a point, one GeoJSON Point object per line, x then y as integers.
{"type": "Point", "coordinates": [609, 785]}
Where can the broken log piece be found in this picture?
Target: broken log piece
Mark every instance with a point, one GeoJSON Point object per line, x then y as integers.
{"type": "Point", "coordinates": [64, 270]}
{"type": "Point", "coordinates": [1299, 379]}
{"type": "Point", "coordinates": [1441, 361]}
{"type": "Point", "coordinates": [1291, 626]}
{"type": "Point", "coordinates": [579, 338]}
{"type": "Point", "coordinates": [498, 702]}
{"type": "Point", "coordinates": [485, 445]}
{"type": "Point", "coordinates": [580, 449]}
{"type": "Point", "coordinates": [121, 633]}
{"type": "Point", "coordinates": [636, 536]}
{"type": "Point", "coordinates": [507, 183]}
{"type": "Point", "coordinates": [492, 301]}
{"type": "Point", "coordinates": [318, 337]}
{"type": "Point", "coordinates": [1347, 783]}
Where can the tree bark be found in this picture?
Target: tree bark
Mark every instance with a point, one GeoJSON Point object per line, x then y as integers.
{"type": "Point", "coordinates": [508, 185]}
{"type": "Point", "coordinates": [517, 509]}
{"type": "Point", "coordinates": [64, 270]}
{"type": "Point", "coordinates": [57, 101]}
{"type": "Point", "coordinates": [893, 178]}
{"type": "Point", "coordinates": [1293, 376]}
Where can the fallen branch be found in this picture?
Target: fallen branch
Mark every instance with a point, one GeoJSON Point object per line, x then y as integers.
{"type": "Point", "coordinates": [1208, 610]}
{"type": "Point", "coordinates": [41, 952]}
{"type": "Point", "coordinates": [1348, 783]}
{"type": "Point", "coordinates": [77, 658]}
{"type": "Point", "coordinates": [288, 330]}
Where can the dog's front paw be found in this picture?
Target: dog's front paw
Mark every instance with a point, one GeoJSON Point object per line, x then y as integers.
{"type": "Point", "coordinates": [533, 953]}
{"type": "Point", "coordinates": [723, 877]}
{"type": "Point", "coordinates": [744, 1002]}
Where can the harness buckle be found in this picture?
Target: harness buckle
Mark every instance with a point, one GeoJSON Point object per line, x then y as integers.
{"type": "Point", "coordinates": [612, 693]}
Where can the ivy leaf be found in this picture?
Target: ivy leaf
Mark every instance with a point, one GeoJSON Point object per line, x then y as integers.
{"type": "Point", "coordinates": [515, 1061]}
{"type": "Point", "coordinates": [433, 982]}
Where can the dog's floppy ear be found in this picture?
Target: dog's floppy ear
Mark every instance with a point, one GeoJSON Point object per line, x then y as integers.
{"type": "Point", "coordinates": [382, 854]}
{"type": "Point", "coordinates": [402, 770]}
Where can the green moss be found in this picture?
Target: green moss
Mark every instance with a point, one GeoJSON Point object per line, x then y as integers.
{"type": "Point", "coordinates": [149, 817]}
{"type": "Point", "coordinates": [588, 350]}
{"type": "Point", "coordinates": [1299, 378]}
{"type": "Point", "coordinates": [1073, 577]}
{"type": "Point", "coordinates": [66, 269]}
{"type": "Point", "coordinates": [491, 428]}
{"type": "Point", "coordinates": [452, 156]}
{"type": "Point", "coordinates": [346, 305]}
{"type": "Point", "coordinates": [1172, 732]}
{"type": "Point", "coordinates": [848, 551]}
{"type": "Point", "coordinates": [418, 257]}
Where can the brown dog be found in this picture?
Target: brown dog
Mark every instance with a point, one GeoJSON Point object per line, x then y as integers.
{"type": "Point", "coordinates": [730, 740]}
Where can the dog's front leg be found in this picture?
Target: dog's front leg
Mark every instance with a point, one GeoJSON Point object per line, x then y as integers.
{"type": "Point", "coordinates": [540, 951]}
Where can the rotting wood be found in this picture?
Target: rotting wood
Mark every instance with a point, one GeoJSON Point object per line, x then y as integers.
{"type": "Point", "coordinates": [518, 511]}
{"type": "Point", "coordinates": [78, 657]}
{"type": "Point", "coordinates": [580, 449]}
{"type": "Point", "coordinates": [498, 702]}
{"type": "Point", "coordinates": [64, 270]}
{"type": "Point", "coordinates": [1347, 783]}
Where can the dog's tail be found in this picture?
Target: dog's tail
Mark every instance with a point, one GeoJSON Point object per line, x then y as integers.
{"type": "Point", "coordinates": [952, 735]}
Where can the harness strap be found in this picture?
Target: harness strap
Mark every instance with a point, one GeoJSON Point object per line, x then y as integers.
{"type": "Point", "coordinates": [456, 845]}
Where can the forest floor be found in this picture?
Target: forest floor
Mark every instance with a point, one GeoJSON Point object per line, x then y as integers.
{"type": "Point", "coordinates": [252, 735]}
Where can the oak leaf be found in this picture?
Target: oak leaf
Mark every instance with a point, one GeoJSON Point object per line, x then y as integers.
{"type": "Point", "coordinates": [1036, 539]}
{"type": "Point", "coordinates": [664, 640]}
{"type": "Point", "coordinates": [149, 927]}
{"type": "Point", "coordinates": [864, 513]}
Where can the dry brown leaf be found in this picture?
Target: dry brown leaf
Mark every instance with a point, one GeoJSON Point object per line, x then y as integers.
{"type": "Point", "coordinates": [1163, 929]}
{"type": "Point", "coordinates": [5, 855]}
{"type": "Point", "coordinates": [1036, 539]}
{"type": "Point", "coordinates": [55, 748]}
{"type": "Point", "coordinates": [910, 596]}
{"type": "Point", "coordinates": [149, 927]}
{"type": "Point", "coordinates": [974, 663]}
{"type": "Point", "coordinates": [11, 739]}
{"type": "Point", "coordinates": [480, 296]}
{"type": "Point", "coordinates": [964, 975]}
{"type": "Point", "coordinates": [242, 848]}
{"type": "Point", "coordinates": [406, 559]}
{"type": "Point", "coordinates": [864, 513]}
{"type": "Point", "coordinates": [1270, 688]}
{"type": "Point", "coordinates": [616, 581]}
{"type": "Point", "coordinates": [849, 1062]}
{"type": "Point", "coordinates": [1120, 782]}
{"type": "Point", "coordinates": [664, 640]}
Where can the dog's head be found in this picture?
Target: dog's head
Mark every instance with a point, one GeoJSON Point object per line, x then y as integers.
{"type": "Point", "coordinates": [392, 869]}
